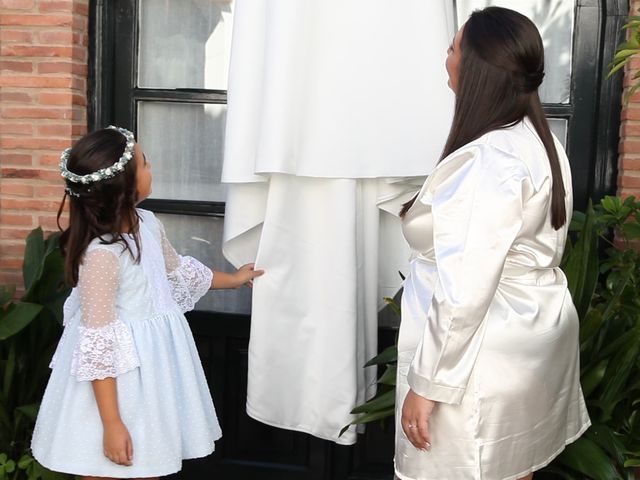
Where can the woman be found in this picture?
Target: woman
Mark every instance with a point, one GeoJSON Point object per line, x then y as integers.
{"type": "Point", "coordinates": [488, 382]}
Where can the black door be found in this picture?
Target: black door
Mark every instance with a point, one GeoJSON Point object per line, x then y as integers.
{"type": "Point", "coordinates": [158, 67]}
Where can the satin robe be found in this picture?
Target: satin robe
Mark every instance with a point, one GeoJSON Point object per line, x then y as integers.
{"type": "Point", "coordinates": [489, 330]}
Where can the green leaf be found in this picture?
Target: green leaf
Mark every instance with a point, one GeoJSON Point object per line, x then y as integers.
{"type": "Point", "coordinates": [388, 355]}
{"type": "Point", "coordinates": [30, 411]}
{"type": "Point", "coordinates": [17, 318]}
{"type": "Point", "coordinates": [370, 417]}
{"type": "Point", "coordinates": [377, 403]}
{"type": "Point", "coordinates": [586, 457]}
{"type": "Point", "coordinates": [590, 324]}
{"type": "Point", "coordinates": [389, 376]}
{"type": "Point", "coordinates": [592, 378]}
{"type": "Point", "coordinates": [634, 462]}
{"type": "Point", "coordinates": [10, 466]}
{"type": "Point", "coordinates": [6, 293]}
{"type": "Point", "coordinates": [33, 258]}
{"type": "Point", "coordinates": [631, 230]}
{"type": "Point", "coordinates": [25, 461]}
{"type": "Point", "coordinates": [604, 436]}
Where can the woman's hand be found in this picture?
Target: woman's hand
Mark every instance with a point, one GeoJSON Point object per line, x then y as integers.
{"type": "Point", "coordinates": [416, 411]}
{"type": "Point", "coordinates": [118, 446]}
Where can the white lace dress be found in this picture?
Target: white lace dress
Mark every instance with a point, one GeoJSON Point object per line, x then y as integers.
{"type": "Point", "coordinates": [126, 320]}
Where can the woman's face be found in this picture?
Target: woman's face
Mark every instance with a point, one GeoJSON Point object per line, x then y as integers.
{"type": "Point", "coordinates": [453, 61]}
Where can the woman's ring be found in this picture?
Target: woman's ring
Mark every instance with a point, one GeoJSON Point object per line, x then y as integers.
{"type": "Point", "coordinates": [411, 426]}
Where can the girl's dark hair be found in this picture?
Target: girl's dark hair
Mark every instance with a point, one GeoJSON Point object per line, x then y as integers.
{"type": "Point", "coordinates": [102, 209]}
{"type": "Point", "coordinates": [500, 70]}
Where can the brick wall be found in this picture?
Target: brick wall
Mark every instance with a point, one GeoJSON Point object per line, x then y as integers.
{"type": "Point", "coordinates": [629, 159]}
{"type": "Point", "coordinates": [43, 84]}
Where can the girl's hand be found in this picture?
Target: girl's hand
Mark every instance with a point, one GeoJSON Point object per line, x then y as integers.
{"type": "Point", "coordinates": [246, 273]}
{"type": "Point", "coordinates": [118, 446]}
{"type": "Point", "coordinates": [415, 420]}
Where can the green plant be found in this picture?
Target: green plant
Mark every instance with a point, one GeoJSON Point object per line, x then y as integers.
{"type": "Point", "coordinates": [29, 331]}
{"type": "Point", "coordinates": [603, 277]}
{"type": "Point", "coordinates": [626, 51]}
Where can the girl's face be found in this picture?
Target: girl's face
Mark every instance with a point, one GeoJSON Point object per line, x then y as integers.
{"type": "Point", "coordinates": [453, 61]}
{"type": "Point", "coordinates": [143, 173]}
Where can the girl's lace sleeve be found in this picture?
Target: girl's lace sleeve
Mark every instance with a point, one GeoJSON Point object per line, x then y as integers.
{"type": "Point", "coordinates": [189, 279]}
{"type": "Point", "coordinates": [105, 347]}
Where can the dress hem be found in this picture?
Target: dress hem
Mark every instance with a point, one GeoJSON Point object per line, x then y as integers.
{"type": "Point", "coordinates": [88, 471]}
{"type": "Point", "coordinates": [532, 469]}
{"type": "Point", "coordinates": [298, 428]}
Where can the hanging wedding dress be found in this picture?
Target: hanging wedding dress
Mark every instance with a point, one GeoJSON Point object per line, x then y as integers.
{"type": "Point", "coordinates": [336, 112]}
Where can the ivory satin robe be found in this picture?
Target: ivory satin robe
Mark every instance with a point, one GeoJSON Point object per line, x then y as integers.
{"type": "Point", "coordinates": [489, 330]}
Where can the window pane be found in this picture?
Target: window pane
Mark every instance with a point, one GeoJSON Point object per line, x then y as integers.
{"type": "Point", "coordinates": [184, 143]}
{"type": "Point", "coordinates": [184, 43]}
{"type": "Point", "coordinates": [554, 19]}
{"type": "Point", "coordinates": [559, 128]}
{"type": "Point", "coordinates": [201, 238]}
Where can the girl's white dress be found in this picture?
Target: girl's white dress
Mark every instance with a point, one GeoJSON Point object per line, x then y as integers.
{"type": "Point", "coordinates": [126, 320]}
{"type": "Point", "coordinates": [489, 330]}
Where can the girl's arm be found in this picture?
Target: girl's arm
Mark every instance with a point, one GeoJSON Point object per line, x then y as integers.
{"type": "Point", "coordinates": [243, 276]}
{"type": "Point", "coordinates": [117, 443]}
{"type": "Point", "coordinates": [105, 347]}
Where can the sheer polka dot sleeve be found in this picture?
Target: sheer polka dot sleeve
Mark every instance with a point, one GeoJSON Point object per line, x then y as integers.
{"type": "Point", "coordinates": [105, 346]}
{"type": "Point", "coordinates": [189, 279]}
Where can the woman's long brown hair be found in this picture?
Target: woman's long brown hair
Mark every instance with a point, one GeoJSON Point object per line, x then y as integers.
{"type": "Point", "coordinates": [102, 209]}
{"type": "Point", "coordinates": [501, 68]}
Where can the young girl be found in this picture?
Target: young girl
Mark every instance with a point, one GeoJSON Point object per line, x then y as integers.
{"type": "Point", "coordinates": [127, 397]}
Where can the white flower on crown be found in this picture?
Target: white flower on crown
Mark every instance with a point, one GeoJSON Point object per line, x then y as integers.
{"type": "Point", "coordinates": [103, 173]}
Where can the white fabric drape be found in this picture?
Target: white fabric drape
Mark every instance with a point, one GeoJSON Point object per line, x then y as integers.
{"type": "Point", "coordinates": [334, 108]}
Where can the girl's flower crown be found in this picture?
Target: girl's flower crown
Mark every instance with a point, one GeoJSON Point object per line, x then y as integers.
{"type": "Point", "coordinates": [103, 173]}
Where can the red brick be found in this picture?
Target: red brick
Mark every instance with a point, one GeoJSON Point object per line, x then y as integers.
{"type": "Point", "coordinates": [28, 204]}
{"type": "Point", "coordinates": [629, 181]}
{"type": "Point", "coordinates": [16, 128]}
{"type": "Point", "coordinates": [17, 190]}
{"type": "Point", "coordinates": [17, 97]}
{"type": "Point", "coordinates": [34, 112]}
{"type": "Point", "coordinates": [51, 160]}
{"type": "Point", "coordinates": [62, 98]}
{"type": "Point", "coordinates": [81, 8]}
{"type": "Point", "coordinates": [51, 6]}
{"type": "Point", "coordinates": [630, 163]}
{"type": "Point", "coordinates": [56, 37]}
{"type": "Point", "coordinates": [33, 143]}
{"type": "Point", "coordinates": [15, 159]}
{"type": "Point", "coordinates": [17, 36]}
{"type": "Point", "coordinates": [63, 67]}
{"type": "Point", "coordinates": [14, 232]}
{"type": "Point", "coordinates": [51, 222]}
{"type": "Point", "coordinates": [12, 263]}
{"type": "Point", "coordinates": [16, 249]}
{"type": "Point", "coordinates": [37, 82]}
{"type": "Point", "coordinates": [56, 129]}
{"type": "Point", "coordinates": [37, 20]}
{"type": "Point", "coordinates": [12, 219]}
{"type": "Point", "coordinates": [17, 4]}
{"type": "Point", "coordinates": [11, 278]}
{"type": "Point", "coordinates": [55, 191]}
{"type": "Point", "coordinates": [629, 146]}
{"type": "Point", "coordinates": [30, 173]}
{"type": "Point", "coordinates": [36, 51]}
{"type": "Point", "coordinates": [13, 66]}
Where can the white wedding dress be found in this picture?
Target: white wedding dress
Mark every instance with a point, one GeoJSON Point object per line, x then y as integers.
{"type": "Point", "coordinates": [334, 108]}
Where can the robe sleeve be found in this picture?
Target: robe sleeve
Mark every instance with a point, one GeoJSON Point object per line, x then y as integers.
{"type": "Point", "coordinates": [189, 279]}
{"type": "Point", "coordinates": [476, 202]}
{"type": "Point", "coordinates": [105, 346]}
